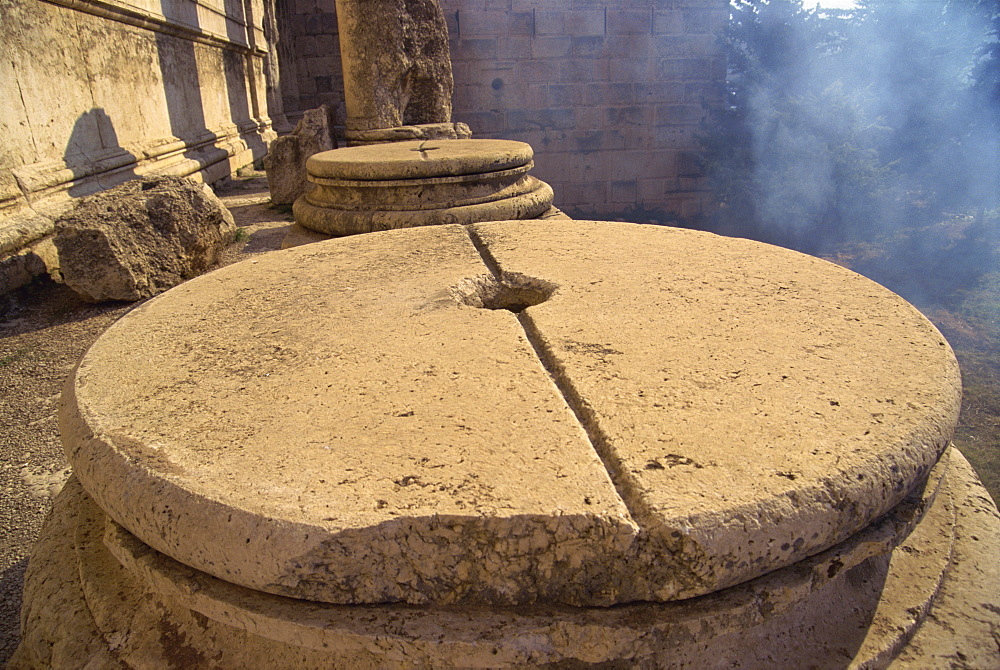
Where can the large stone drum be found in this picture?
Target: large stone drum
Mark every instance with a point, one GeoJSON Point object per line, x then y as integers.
{"type": "Point", "coordinates": [517, 444]}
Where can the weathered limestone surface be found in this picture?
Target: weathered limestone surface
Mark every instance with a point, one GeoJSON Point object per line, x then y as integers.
{"type": "Point", "coordinates": [664, 414]}
{"type": "Point", "coordinates": [93, 94]}
{"type": "Point", "coordinates": [860, 604]}
{"type": "Point", "coordinates": [396, 62]}
{"type": "Point", "coordinates": [412, 160]}
{"type": "Point", "coordinates": [419, 183]}
{"type": "Point", "coordinates": [141, 238]}
{"type": "Point", "coordinates": [286, 157]}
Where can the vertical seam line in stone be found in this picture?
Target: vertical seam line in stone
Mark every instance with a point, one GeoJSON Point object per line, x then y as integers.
{"type": "Point", "coordinates": [585, 417]}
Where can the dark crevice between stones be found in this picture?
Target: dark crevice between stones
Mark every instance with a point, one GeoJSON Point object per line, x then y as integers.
{"type": "Point", "coordinates": [588, 420]}
{"type": "Point", "coordinates": [516, 292]}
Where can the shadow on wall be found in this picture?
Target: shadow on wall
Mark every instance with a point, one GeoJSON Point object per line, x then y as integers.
{"type": "Point", "coordinates": [241, 85]}
{"type": "Point", "coordinates": [179, 73]}
{"type": "Point", "coordinates": [93, 149]}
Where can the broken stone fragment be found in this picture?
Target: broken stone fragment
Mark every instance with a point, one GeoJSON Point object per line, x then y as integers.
{"type": "Point", "coordinates": [141, 238]}
{"type": "Point", "coordinates": [285, 162]}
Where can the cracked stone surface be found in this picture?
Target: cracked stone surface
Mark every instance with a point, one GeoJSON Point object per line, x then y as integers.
{"type": "Point", "coordinates": [583, 413]}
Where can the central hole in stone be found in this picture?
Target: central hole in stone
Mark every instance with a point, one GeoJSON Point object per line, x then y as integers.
{"type": "Point", "coordinates": [513, 292]}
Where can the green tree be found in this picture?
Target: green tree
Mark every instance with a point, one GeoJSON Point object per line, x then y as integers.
{"type": "Point", "coordinates": [845, 124]}
{"type": "Point", "coordinates": [793, 159]}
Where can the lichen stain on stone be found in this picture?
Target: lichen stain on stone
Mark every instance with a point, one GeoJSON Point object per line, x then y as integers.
{"type": "Point", "coordinates": [176, 650]}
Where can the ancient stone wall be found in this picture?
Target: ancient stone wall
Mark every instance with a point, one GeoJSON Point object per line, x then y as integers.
{"type": "Point", "coordinates": [609, 93]}
{"type": "Point", "coordinates": [311, 71]}
{"type": "Point", "coordinates": [95, 92]}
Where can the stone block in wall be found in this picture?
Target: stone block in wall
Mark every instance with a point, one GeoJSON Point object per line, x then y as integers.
{"type": "Point", "coordinates": [589, 117]}
{"type": "Point", "coordinates": [630, 70]}
{"type": "Point", "coordinates": [483, 48]}
{"type": "Point", "coordinates": [566, 95]}
{"type": "Point", "coordinates": [329, 45]}
{"type": "Point", "coordinates": [306, 46]}
{"type": "Point", "coordinates": [584, 70]}
{"type": "Point", "coordinates": [530, 119]}
{"type": "Point", "coordinates": [685, 69]}
{"type": "Point", "coordinates": [538, 71]}
{"type": "Point", "coordinates": [473, 23]}
{"type": "Point", "coordinates": [689, 164]}
{"type": "Point", "coordinates": [522, 5]}
{"type": "Point", "coordinates": [512, 48]}
{"type": "Point", "coordinates": [585, 193]}
{"type": "Point", "coordinates": [588, 46]}
{"type": "Point", "coordinates": [629, 22]}
{"type": "Point", "coordinates": [660, 91]}
{"type": "Point", "coordinates": [521, 23]}
{"type": "Point", "coordinates": [582, 22]}
{"type": "Point", "coordinates": [676, 138]}
{"type": "Point", "coordinates": [706, 21]}
{"type": "Point", "coordinates": [486, 122]}
{"type": "Point", "coordinates": [624, 191]}
{"type": "Point", "coordinates": [668, 21]}
{"type": "Point", "coordinates": [651, 190]}
{"type": "Point", "coordinates": [322, 66]}
{"type": "Point", "coordinates": [551, 47]}
{"type": "Point", "coordinates": [678, 115]}
{"type": "Point", "coordinates": [634, 115]}
{"type": "Point", "coordinates": [610, 94]}
{"type": "Point", "coordinates": [627, 46]}
{"type": "Point", "coordinates": [305, 6]}
{"type": "Point", "coordinates": [685, 205]}
{"type": "Point", "coordinates": [707, 94]}
{"type": "Point", "coordinates": [549, 22]}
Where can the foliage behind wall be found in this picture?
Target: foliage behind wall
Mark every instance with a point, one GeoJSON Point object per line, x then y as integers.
{"type": "Point", "coordinates": [846, 124]}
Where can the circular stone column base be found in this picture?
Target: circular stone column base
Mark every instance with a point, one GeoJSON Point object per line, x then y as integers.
{"type": "Point", "coordinates": [915, 589]}
{"type": "Point", "coordinates": [419, 183]}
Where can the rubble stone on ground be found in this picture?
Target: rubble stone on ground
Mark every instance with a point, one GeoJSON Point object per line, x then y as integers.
{"type": "Point", "coordinates": [141, 238]}
{"type": "Point", "coordinates": [285, 162]}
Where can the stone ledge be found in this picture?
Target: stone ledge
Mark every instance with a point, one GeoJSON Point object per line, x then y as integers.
{"type": "Point", "coordinates": [933, 601]}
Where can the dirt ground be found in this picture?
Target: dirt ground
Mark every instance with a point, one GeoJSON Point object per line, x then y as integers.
{"type": "Point", "coordinates": [44, 329]}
